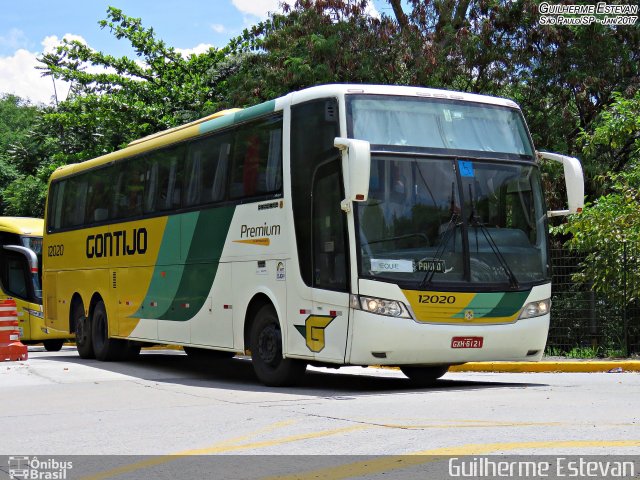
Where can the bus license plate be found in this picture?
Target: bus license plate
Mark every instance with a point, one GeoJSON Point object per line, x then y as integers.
{"type": "Point", "coordinates": [466, 342]}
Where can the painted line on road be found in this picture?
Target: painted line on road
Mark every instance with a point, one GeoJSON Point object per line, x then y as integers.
{"type": "Point", "coordinates": [226, 446]}
{"type": "Point", "coordinates": [171, 457]}
{"type": "Point", "coordinates": [397, 462]}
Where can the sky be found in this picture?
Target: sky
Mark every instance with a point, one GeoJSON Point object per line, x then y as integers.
{"type": "Point", "coordinates": [30, 27]}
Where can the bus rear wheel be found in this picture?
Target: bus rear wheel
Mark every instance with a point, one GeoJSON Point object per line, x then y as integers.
{"type": "Point", "coordinates": [53, 345]}
{"type": "Point", "coordinates": [424, 376]}
{"type": "Point", "coordinates": [84, 345]}
{"type": "Point", "coordinates": [266, 351]}
{"type": "Point", "coordinates": [105, 348]}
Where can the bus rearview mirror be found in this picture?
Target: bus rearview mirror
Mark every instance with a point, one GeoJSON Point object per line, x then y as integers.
{"type": "Point", "coordinates": [574, 179]}
{"type": "Point", "coordinates": [356, 167]}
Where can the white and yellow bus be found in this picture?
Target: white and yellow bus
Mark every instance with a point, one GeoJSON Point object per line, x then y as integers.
{"type": "Point", "coordinates": [338, 225]}
{"type": "Point", "coordinates": [20, 266]}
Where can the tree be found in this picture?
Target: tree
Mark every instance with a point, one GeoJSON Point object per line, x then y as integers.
{"type": "Point", "coordinates": [311, 43]}
{"type": "Point", "coordinates": [112, 101]}
{"type": "Point", "coordinates": [115, 100]}
{"type": "Point", "coordinates": [609, 227]}
{"type": "Point", "coordinates": [17, 118]}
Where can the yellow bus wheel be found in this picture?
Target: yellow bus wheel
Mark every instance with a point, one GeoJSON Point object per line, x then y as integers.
{"type": "Point", "coordinates": [82, 326]}
{"type": "Point", "coordinates": [105, 348]}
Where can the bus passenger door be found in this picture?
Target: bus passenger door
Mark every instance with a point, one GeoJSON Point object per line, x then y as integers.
{"type": "Point", "coordinates": [327, 326]}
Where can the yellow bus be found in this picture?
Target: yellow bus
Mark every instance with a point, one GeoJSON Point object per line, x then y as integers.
{"type": "Point", "coordinates": [20, 279]}
{"type": "Point", "coordinates": [337, 225]}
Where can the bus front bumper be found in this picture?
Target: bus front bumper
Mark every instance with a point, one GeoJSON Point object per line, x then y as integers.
{"type": "Point", "coordinates": [381, 340]}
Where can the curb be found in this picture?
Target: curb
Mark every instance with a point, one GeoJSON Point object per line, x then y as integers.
{"type": "Point", "coordinates": [561, 366]}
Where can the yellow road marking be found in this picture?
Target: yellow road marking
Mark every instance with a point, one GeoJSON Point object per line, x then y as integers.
{"type": "Point", "coordinates": [277, 441]}
{"type": "Point", "coordinates": [395, 462]}
{"type": "Point", "coordinates": [225, 447]}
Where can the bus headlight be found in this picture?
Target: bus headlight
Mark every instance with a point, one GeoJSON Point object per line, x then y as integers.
{"type": "Point", "coordinates": [536, 309]}
{"type": "Point", "coordinates": [381, 306]}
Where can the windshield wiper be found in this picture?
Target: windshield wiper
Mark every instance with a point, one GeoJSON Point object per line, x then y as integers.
{"type": "Point", "coordinates": [476, 222]}
{"type": "Point", "coordinates": [451, 226]}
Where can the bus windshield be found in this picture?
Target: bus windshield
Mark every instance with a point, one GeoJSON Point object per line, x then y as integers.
{"type": "Point", "coordinates": [438, 124]}
{"type": "Point", "coordinates": [442, 221]}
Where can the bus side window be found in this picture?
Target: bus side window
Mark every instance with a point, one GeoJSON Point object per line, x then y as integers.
{"type": "Point", "coordinates": [164, 180]}
{"type": "Point", "coordinates": [135, 190]}
{"type": "Point", "coordinates": [257, 159]}
{"type": "Point", "coordinates": [128, 195]}
{"type": "Point", "coordinates": [55, 205]}
{"type": "Point", "coordinates": [329, 229]}
{"type": "Point", "coordinates": [194, 186]}
{"type": "Point", "coordinates": [98, 196]}
{"type": "Point", "coordinates": [220, 178]}
{"type": "Point", "coordinates": [314, 126]}
{"type": "Point", "coordinates": [75, 196]}
{"type": "Point", "coordinates": [207, 166]}
{"type": "Point", "coordinates": [151, 187]}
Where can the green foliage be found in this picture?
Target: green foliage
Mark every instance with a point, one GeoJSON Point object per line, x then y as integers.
{"type": "Point", "coordinates": [314, 42]}
{"type": "Point", "coordinates": [563, 77]}
{"type": "Point", "coordinates": [115, 100]}
{"type": "Point", "coordinates": [608, 230]}
{"type": "Point", "coordinates": [25, 196]}
{"type": "Point", "coordinates": [614, 142]}
{"type": "Point", "coordinates": [17, 118]}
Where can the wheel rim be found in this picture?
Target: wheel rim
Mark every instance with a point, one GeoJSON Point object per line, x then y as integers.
{"type": "Point", "coordinates": [269, 345]}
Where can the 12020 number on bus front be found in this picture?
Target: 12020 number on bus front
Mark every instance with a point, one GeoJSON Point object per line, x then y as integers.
{"type": "Point", "coordinates": [440, 299]}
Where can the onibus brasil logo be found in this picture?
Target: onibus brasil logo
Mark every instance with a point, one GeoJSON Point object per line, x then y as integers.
{"type": "Point", "coordinates": [32, 468]}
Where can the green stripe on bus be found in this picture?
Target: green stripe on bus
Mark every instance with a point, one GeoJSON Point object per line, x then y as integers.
{"type": "Point", "coordinates": [201, 265]}
{"type": "Point", "coordinates": [217, 123]}
{"type": "Point", "coordinates": [168, 271]}
{"type": "Point", "coordinates": [255, 111]}
{"type": "Point", "coordinates": [198, 239]}
{"type": "Point", "coordinates": [237, 117]}
{"type": "Point", "coordinates": [494, 305]}
{"type": "Point", "coordinates": [510, 304]}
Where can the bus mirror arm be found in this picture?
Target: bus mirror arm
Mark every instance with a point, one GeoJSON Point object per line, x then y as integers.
{"type": "Point", "coordinates": [574, 179]}
{"type": "Point", "coordinates": [30, 255]}
{"type": "Point", "coordinates": [356, 169]}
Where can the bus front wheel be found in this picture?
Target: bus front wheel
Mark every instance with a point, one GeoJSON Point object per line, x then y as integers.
{"type": "Point", "coordinates": [266, 351]}
{"type": "Point", "coordinates": [83, 333]}
{"type": "Point", "coordinates": [424, 376]}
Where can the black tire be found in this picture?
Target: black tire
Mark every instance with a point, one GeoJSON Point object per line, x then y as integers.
{"type": "Point", "coordinates": [266, 351]}
{"type": "Point", "coordinates": [84, 344]}
{"type": "Point", "coordinates": [424, 376]}
{"type": "Point", "coordinates": [53, 345]}
{"type": "Point", "coordinates": [105, 348]}
{"type": "Point", "coordinates": [206, 354]}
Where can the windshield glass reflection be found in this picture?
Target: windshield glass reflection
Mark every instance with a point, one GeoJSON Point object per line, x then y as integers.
{"type": "Point", "coordinates": [440, 221]}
